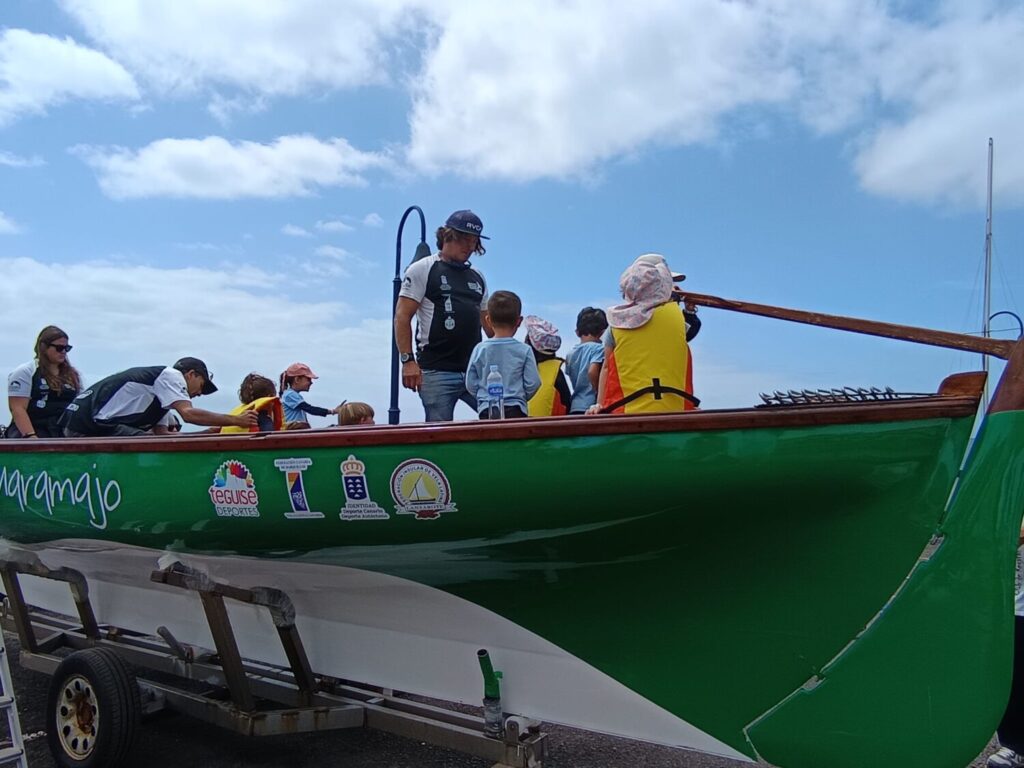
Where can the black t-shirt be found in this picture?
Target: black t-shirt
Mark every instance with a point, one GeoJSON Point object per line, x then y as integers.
{"type": "Point", "coordinates": [450, 297]}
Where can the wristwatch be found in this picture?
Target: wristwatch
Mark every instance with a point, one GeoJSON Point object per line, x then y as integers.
{"type": "Point", "coordinates": [405, 357]}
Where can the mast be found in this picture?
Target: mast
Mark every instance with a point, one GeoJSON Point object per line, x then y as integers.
{"type": "Point", "coordinates": [988, 274]}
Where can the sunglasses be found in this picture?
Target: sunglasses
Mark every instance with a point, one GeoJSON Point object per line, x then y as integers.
{"type": "Point", "coordinates": [62, 347]}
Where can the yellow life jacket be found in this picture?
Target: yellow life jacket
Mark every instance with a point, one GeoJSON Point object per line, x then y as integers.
{"type": "Point", "coordinates": [656, 351]}
{"type": "Point", "coordinates": [271, 405]}
{"type": "Point", "coordinates": [545, 401]}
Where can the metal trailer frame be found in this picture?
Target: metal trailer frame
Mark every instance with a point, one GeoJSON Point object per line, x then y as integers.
{"type": "Point", "coordinates": [249, 697]}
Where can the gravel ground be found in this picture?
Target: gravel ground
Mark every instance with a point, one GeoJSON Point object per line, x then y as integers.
{"type": "Point", "coordinates": [176, 741]}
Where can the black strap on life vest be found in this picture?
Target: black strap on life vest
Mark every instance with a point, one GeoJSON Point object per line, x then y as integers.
{"type": "Point", "coordinates": [657, 389]}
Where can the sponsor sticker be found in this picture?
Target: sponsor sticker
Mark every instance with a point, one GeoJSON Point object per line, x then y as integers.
{"type": "Point", "coordinates": [233, 491]}
{"type": "Point", "coordinates": [293, 469]}
{"type": "Point", "coordinates": [358, 504]}
{"type": "Point", "coordinates": [420, 488]}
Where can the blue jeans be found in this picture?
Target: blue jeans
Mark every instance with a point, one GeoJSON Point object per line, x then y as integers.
{"type": "Point", "coordinates": [439, 393]}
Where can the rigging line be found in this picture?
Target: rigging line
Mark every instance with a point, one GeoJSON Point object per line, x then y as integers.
{"type": "Point", "coordinates": [991, 330]}
{"type": "Point", "coordinates": [973, 307]}
{"type": "Point", "coordinates": [1007, 289]}
{"type": "Point", "coordinates": [968, 317]}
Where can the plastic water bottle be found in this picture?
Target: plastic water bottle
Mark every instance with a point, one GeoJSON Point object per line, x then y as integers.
{"type": "Point", "coordinates": [495, 394]}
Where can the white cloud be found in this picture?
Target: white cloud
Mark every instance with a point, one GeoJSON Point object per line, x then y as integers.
{"type": "Point", "coordinates": [332, 252]}
{"type": "Point", "coordinates": [223, 109]}
{"type": "Point", "coordinates": [12, 160]}
{"type": "Point", "coordinates": [588, 84]}
{"type": "Point", "coordinates": [334, 263]}
{"type": "Point", "coordinates": [539, 90]}
{"type": "Point", "coordinates": [7, 225]}
{"type": "Point", "coordinates": [293, 230]}
{"type": "Point", "coordinates": [333, 225]}
{"type": "Point", "coordinates": [209, 248]}
{"type": "Point", "coordinates": [959, 82]}
{"type": "Point", "coordinates": [271, 47]}
{"type": "Point", "coordinates": [40, 71]}
{"type": "Point", "coordinates": [325, 270]}
{"type": "Point", "coordinates": [373, 220]}
{"type": "Point", "coordinates": [919, 94]}
{"type": "Point", "coordinates": [214, 168]}
{"type": "Point", "coordinates": [112, 325]}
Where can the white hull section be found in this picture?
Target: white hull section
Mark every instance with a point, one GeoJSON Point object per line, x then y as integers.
{"type": "Point", "coordinates": [364, 626]}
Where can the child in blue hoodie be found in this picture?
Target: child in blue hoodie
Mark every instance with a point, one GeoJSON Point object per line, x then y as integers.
{"type": "Point", "coordinates": [514, 359]}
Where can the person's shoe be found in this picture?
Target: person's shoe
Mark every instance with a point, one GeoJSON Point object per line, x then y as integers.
{"type": "Point", "coordinates": [1005, 758]}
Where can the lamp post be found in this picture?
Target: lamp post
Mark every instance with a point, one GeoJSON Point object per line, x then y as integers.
{"type": "Point", "coordinates": [422, 250]}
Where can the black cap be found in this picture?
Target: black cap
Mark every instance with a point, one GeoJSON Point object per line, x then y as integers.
{"type": "Point", "coordinates": [195, 364]}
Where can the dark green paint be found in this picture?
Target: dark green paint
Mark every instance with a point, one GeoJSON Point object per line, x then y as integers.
{"type": "Point", "coordinates": [713, 572]}
{"type": "Point", "coordinates": [926, 685]}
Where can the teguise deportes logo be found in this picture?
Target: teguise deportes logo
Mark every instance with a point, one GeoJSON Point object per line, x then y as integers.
{"type": "Point", "coordinates": [233, 492]}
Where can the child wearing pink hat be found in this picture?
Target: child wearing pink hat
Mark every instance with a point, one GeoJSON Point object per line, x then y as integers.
{"type": "Point", "coordinates": [553, 397]}
{"type": "Point", "coordinates": [296, 379]}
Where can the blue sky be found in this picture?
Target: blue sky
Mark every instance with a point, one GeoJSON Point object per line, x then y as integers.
{"type": "Point", "coordinates": [225, 179]}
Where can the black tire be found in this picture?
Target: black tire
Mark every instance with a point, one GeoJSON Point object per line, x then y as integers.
{"type": "Point", "coordinates": [93, 710]}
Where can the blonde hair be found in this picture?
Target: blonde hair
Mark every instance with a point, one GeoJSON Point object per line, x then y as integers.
{"type": "Point", "coordinates": [353, 413]}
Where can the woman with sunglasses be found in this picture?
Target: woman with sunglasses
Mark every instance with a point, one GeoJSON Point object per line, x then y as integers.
{"type": "Point", "coordinates": [39, 391]}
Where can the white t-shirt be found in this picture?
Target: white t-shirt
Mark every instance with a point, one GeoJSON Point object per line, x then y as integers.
{"type": "Point", "coordinates": [135, 397]}
{"type": "Point", "coordinates": [19, 381]}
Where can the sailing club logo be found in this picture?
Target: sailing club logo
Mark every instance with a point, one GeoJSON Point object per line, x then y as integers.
{"type": "Point", "coordinates": [293, 469]}
{"type": "Point", "coordinates": [358, 504]}
{"type": "Point", "coordinates": [233, 491]}
{"type": "Point", "coordinates": [420, 488]}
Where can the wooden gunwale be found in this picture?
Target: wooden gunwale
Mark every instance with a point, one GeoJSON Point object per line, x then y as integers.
{"type": "Point", "coordinates": [934, 407]}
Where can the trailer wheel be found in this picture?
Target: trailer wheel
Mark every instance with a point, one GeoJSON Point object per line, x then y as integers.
{"type": "Point", "coordinates": [94, 708]}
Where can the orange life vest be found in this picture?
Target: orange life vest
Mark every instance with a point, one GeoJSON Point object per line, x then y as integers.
{"type": "Point", "coordinates": [269, 405]}
{"type": "Point", "coordinates": [545, 401]}
{"type": "Point", "coordinates": [654, 355]}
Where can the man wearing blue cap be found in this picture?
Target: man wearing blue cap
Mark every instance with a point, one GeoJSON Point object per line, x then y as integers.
{"type": "Point", "coordinates": [447, 296]}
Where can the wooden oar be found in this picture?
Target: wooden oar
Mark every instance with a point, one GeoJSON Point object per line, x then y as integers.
{"type": "Point", "coordinates": [995, 347]}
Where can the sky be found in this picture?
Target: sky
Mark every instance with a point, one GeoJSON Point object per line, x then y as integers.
{"type": "Point", "coordinates": [225, 179]}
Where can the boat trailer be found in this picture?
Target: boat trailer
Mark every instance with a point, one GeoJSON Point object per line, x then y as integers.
{"type": "Point", "coordinates": [121, 675]}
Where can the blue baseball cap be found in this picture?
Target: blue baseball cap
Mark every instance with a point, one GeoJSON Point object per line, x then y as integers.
{"type": "Point", "coordinates": [468, 222]}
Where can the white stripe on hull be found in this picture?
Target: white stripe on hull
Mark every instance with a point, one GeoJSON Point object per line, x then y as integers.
{"type": "Point", "coordinates": [370, 627]}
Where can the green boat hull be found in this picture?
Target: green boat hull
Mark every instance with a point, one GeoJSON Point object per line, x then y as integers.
{"type": "Point", "coordinates": [806, 593]}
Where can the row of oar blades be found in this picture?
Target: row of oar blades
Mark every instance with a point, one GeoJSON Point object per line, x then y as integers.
{"type": "Point", "coordinates": [837, 395]}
